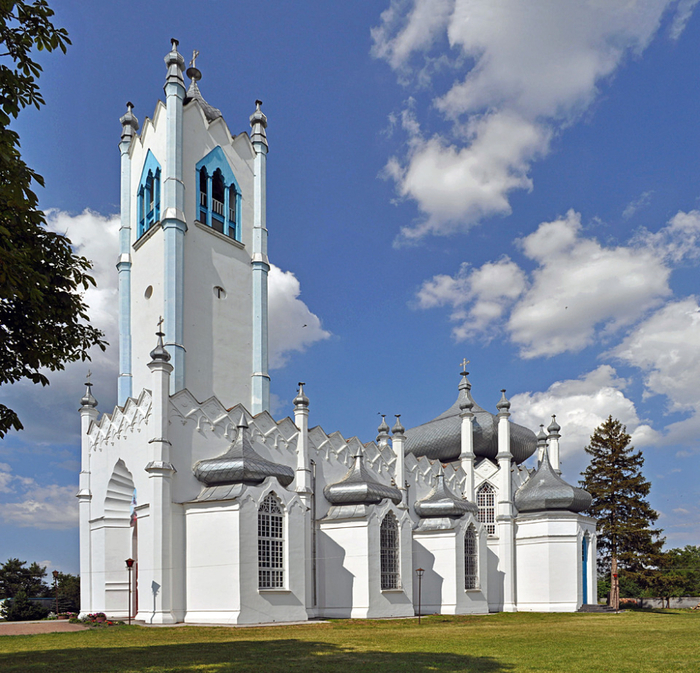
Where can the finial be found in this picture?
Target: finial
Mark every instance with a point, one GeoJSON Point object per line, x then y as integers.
{"type": "Point", "coordinates": [258, 123]}
{"type": "Point", "coordinates": [175, 64]}
{"type": "Point", "coordinates": [383, 431]}
{"type": "Point", "coordinates": [129, 123]}
{"type": "Point", "coordinates": [193, 72]}
{"type": "Point", "coordinates": [503, 404]}
{"type": "Point", "coordinates": [159, 354]}
{"type": "Point", "coordinates": [242, 422]}
{"type": "Point", "coordinates": [541, 436]}
{"type": "Point", "coordinates": [463, 365]}
{"type": "Point", "coordinates": [554, 428]}
{"type": "Point", "coordinates": [88, 400]}
{"type": "Point", "coordinates": [174, 43]}
{"type": "Point", "coordinates": [398, 429]}
{"type": "Point", "coordinates": [301, 400]}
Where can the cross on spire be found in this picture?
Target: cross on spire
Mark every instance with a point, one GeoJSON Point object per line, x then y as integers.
{"type": "Point", "coordinates": [464, 364]}
{"type": "Point", "coordinates": [87, 382]}
{"type": "Point", "coordinates": [195, 53]}
{"type": "Point", "coordinates": [160, 325]}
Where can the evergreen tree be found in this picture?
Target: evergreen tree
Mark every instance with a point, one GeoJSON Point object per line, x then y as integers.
{"type": "Point", "coordinates": [16, 577]}
{"type": "Point", "coordinates": [614, 478]}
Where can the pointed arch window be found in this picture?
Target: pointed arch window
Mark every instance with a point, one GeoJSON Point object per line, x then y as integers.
{"type": "Point", "coordinates": [486, 502]}
{"type": "Point", "coordinates": [471, 559]}
{"type": "Point", "coordinates": [219, 195]}
{"type": "Point", "coordinates": [389, 552]}
{"type": "Point", "coordinates": [270, 543]}
{"type": "Point", "coordinates": [148, 195]}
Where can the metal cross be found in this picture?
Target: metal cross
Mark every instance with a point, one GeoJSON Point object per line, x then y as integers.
{"type": "Point", "coordinates": [195, 53]}
{"type": "Point", "coordinates": [464, 364]}
{"type": "Point", "coordinates": [89, 374]}
{"type": "Point", "coordinates": [160, 324]}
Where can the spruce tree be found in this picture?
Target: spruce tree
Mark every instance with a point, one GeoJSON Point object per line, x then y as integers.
{"type": "Point", "coordinates": [614, 478]}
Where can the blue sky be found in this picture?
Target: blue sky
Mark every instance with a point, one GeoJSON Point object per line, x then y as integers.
{"type": "Point", "coordinates": [514, 183]}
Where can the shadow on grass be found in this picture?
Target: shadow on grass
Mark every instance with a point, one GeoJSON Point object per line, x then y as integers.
{"type": "Point", "coordinates": [249, 656]}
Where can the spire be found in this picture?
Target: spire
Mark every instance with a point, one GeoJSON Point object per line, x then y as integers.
{"type": "Point", "coordinates": [88, 400]}
{"type": "Point", "coordinates": [242, 422]}
{"type": "Point", "coordinates": [130, 125]}
{"type": "Point", "coordinates": [383, 432]}
{"type": "Point", "coordinates": [193, 92]}
{"type": "Point", "coordinates": [258, 123]}
{"type": "Point", "coordinates": [398, 429]}
{"type": "Point", "coordinates": [466, 403]}
{"type": "Point", "coordinates": [159, 354]}
{"type": "Point", "coordinates": [301, 400]}
{"type": "Point", "coordinates": [554, 428]}
{"type": "Point", "coordinates": [175, 63]}
{"type": "Point", "coordinates": [503, 405]}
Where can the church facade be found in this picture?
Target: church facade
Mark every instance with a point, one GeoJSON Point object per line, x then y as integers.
{"type": "Point", "coordinates": [231, 516]}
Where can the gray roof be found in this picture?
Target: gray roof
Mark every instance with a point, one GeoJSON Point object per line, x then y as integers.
{"type": "Point", "coordinates": [545, 491]}
{"type": "Point", "coordinates": [359, 487]}
{"type": "Point", "coordinates": [241, 464]}
{"type": "Point", "coordinates": [440, 439]}
{"type": "Point", "coordinates": [193, 93]}
{"type": "Point", "coordinates": [441, 502]}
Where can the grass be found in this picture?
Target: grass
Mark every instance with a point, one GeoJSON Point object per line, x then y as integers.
{"type": "Point", "coordinates": [658, 640]}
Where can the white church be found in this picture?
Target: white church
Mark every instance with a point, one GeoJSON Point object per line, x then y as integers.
{"type": "Point", "coordinates": [234, 517]}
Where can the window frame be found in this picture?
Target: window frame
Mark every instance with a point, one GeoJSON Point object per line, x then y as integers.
{"type": "Point", "coordinates": [228, 221]}
{"type": "Point", "coordinates": [487, 511]}
{"type": "Point", "coordinates": [148, 196]}
{"type": "Point", "coordinates": [471, 559]}
{"type": "Point", "coordinates": [272, 555]}
{"type": "Point", "coordinates": [390, 553]}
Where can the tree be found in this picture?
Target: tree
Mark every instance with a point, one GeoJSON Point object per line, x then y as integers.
{"type": "Point", "coordinates": [15, 577]}
{"type": "Point", "coordinates": [43, 317]}
{"type": "Point", "coordinates": [22, 609]}
{"type": "Point", "coordinates": [68, 592]}
{"type": "Point", "coordinates": [626, 542]}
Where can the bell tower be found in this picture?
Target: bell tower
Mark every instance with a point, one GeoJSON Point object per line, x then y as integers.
{"type": "Point", "coordinates": [193, 246]}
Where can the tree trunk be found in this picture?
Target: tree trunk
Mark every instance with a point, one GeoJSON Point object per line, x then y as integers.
{"type": "Point", "coordinates": [614, 586]}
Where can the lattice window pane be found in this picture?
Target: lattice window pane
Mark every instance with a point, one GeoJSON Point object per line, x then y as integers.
{"type": "Point", "coordinates": [389, 552]}
{"type": "Point", "coordinates": [486, 502]}
{"type": "Point", "coordinates": [471, 560]}
{"type": "Point", "coordinates": [270, 544]}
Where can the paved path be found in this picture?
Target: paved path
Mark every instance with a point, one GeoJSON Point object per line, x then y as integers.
{"type": "Point", "coordinates": [31, 628]}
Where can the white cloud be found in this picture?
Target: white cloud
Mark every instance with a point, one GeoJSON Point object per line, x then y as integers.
{"type": "Point", "coordinates": [680, 20]}
{"type": "Point", "coordinates": [522, 72]}
{"type": "Point", "coordinates": [632, 207]}
{"type": "Point", "coordinates": [35, 506]}
{"type": "Point", "coordinates": [581, 405]}
{"type": "Point", "coordinates": [579, 292]}
{"type": "Point", "coordinates": [293, 327]}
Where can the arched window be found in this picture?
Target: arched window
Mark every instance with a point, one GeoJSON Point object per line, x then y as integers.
{"type": "Point", "coordinates": [389, 552]}
{"type": "Point", "coordinates": [219, 195]}
{"type": "Point", "coordinates": [148, 195]}
{"type": "Point", "coordinates": [486, 502]}
{"type": "Point", "coordinates": [471, 559]}
{"type": "Point", "coordinates": [270, 544]}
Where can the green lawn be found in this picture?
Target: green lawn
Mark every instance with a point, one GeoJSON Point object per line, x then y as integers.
{"type": "Point", "coordinates": [663, 640]}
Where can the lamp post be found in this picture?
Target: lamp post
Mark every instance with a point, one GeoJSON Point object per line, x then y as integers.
{"type": "Point", "coordinates": [419, 572]}
{"type": "Point", "coordinates": [130, 565]}
{"type": "Point", "coordinates": [55, 588]}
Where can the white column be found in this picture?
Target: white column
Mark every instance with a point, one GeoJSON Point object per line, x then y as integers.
{"type": "Point", "coordinates": [260, 392]}
{"type": "Point", "coordinates": [505, 517]}
{"type": "Point", "coordinates": [397, 442]}
{"type": "Point", "coordinates": [130, 126]}
{"type": "Point", "coordinates": [553, 437]}
{"type": "Point", "coordinates": [466, 457]}
{"type": "Point", "coordinates": [302, 482]}
{"type": "Point", "coordinates": [173, 220]}
{"type": "Point", "coordinates": [88, 415]}
{"type": "Point", "coordinates": [156, 605]}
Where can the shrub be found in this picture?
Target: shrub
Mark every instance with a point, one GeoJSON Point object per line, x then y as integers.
{"type": "Point", "coordinates": [22, 609]}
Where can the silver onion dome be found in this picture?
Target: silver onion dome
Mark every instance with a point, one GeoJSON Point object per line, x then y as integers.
{"type": "Point", "coordinates": [442, 502]}
{"type": "Point", "coordinates": [241, 464]}
{"type": "Point", "coordinates": [546, 491]}
{"type": "Point", "coordinates": [440, 439]}
{"type": "Point", "coordinates": [359, 487]}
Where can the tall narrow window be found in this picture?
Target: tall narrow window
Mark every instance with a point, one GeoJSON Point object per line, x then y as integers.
{"type": "Point", "coordinates": [270, 544]}
{"type": "Point", "coordinates": [219, 194]}
{"type": "Point", "coordinates": [389, 552]}
{"type": "Point", "coordinates": [486, 502]}
{"type": "Point", "coordinates": [148, 195]}
{"type": "Point", "coordinates": [471, 559]}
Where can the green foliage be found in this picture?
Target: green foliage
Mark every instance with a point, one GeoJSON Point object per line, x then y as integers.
{"type": "Point", "coordinates": [22, 609]}
{"type": "Point", "coordinates": [68, 592]}
{"type": "Point", "coordinates": [43, 318]}
{"type": "Point", "coordinates": [678, 573]}
{"type": "Point", "coordinates": [614, 479]}
{"type": "Point", "coordinates": [16, 578]}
